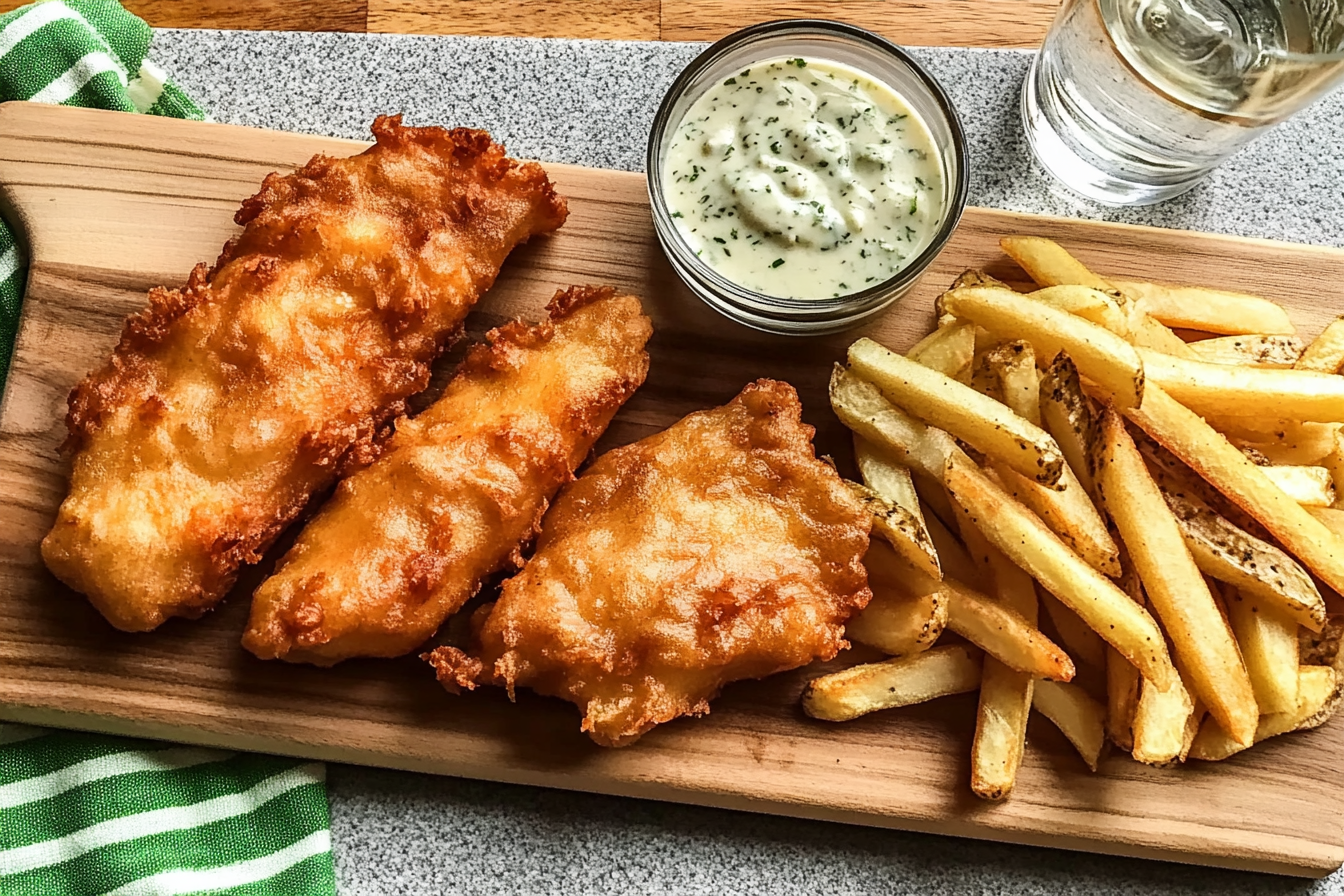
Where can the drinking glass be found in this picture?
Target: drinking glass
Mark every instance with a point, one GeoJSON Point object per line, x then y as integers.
{"type": "Point", "coordinates": [1130, 102]}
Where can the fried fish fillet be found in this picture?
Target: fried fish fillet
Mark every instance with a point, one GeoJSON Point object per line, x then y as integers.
{"type": "Point", "coordinates": [717, 550]}
{"type": "Point", "coordinates": [458, 490]}
{"type": "Point", "coordinates": [231, 401]}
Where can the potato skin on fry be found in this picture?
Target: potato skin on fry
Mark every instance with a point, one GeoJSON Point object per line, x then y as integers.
{"type": "Point", "coordinates": [859, 690]}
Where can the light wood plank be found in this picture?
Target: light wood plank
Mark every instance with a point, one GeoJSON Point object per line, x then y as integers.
{"type": "Point", "coordinates": [251, 15]}
{"type": "Point", "coordinates": [934, 23]}
{"type": "Point", "coordinates": [114, 204]}
{"type": "Point", "coordinates": [611, 20]}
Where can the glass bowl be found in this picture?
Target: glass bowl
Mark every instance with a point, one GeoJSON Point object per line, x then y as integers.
{"type": "Point", "coordinates": [836, 42]}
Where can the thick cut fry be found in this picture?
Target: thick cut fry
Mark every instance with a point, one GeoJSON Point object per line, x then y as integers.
{"type": "Point", "coordinates": [884, 475]}
{"type": "Point", "coordinates": [1318, 694]}
{"type": "Point", "coordinates": [955, 559]}
{"type": "Point", "coordinates": [1081, 719]}
{"type": "Point", "coordinates": [1333, 518]}
{"type": "Point", "coordinates": [1290, 433]}
{"type": "Point", "coordinates": [1161, 721]}
{"type": "Point", "coordinates": [857, 691]}
{"type": "Point", "coordinates": [1004, 634]}
{"type": "Point", "coordinates": [1218, 461]}
{"type": "Point", "coordinates": [1306, 454]}
{"type": "Point", "coordinates": [976, 277]}
{"type": "Point", "coordinates": [1203, 643]}
{"type": "Point", "coordinates": [1088, 303]}
{"type": "Point", "coordinates": [1049, 264]}
{"type": "Point", "coordinates": [1015, 365]}
{"type": "Point", "coordinates": [861, 406]}
{"type": "Point", "coordinates": [1268, 640]}
{"type": "Point", "coordinates": [948, 350]}
{"type": "Point", "coordinates": [1122, 699]}
{"type": "Point", "coordinates": [1259, 350]}
{"type": "Point", "coordinates": [1222, 390]}
{"type": "Point", "coordinates": [1067, 415]}
{"type": "Point", "coordinates": [902, 529]}
{"type": "Point", "coordinates": [1099, 354]}
{"type": "Point", "coordinates": [1000, 729]}
{"type": "Point", "coordinates": [1070, 514]}
{"type": "Point", "coordinates": [1312, 486]}
{"type": "Point", "coordinates": [1079, 640]}
{"type": "Point", "coordinates": [1005, 693]}
{"type": "Point", "coordinates": [900, 619]}
{"type": "Point", "coordinates": [1230, 554]}
{"type": "Point", "coordinates": [1326, 352]}
{"type": "Point", "coordinates": [1207, 310]}
{"type": "Point", "coordinates": [1019, 534]}
{"type": "Point", "coordinates": [1122, 679]}
{"type": "Point", "coordinates": [966, 414]}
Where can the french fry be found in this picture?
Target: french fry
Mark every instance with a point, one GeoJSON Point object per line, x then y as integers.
{"type": "Point", "coordinates": [1079, 640]}
{"type": "Point", "coordinates": [1268, 641]}
{"type": "Point", "coordinates": [1257, 350]}
{"type": "Point", "coordinates": [974, 277]}
{"type": "Point", "coordinates": [1049, 264]}
{"type": "Point", "coordinates": [1029, 543]}
{"type": "Point", "coordinates": [1122, 699]}
{"type": "Point", "coordinates": [1192, 726]}
{"type": "Point", "coordinates": [857, 691]}
{"type": "Point", "coordinates": [1333, 519]}
{"type": "Point", "coordinates": [1015, 365]}
{"type": "Point", "coordinates": [900, 619]}
{"type": "Point", "coordinates": [1122, 679]}
{"type": "Point", "coordinates": [1208, 310]}
{"type": "Point", "coordinates": [1066, 413]}
{"type": "Point", "coordinates": [884, 475]}
{"type": "Point", "coordinates": [1305, 454]}
{"type": "Point", "coordinates": [902, 529]}
{"type": "Point", "coordinates": [1312, 486]}
{"type": "Point", "coordinates": [948, 350]}
{"type": "Point", "coordinates": [964, 413]}
{"type": "Point", "coordinates": [1289, 433]}
{"type": "Point", "coordinates": [1230, 554]}
{"type": "Point", "coordinates": [1318, 694]}
{"type": "Point", "coordinates": [1004, 634]}
{"type": "Point", "coordinates": [1326, 351]}
{"type": "Point", "coordinates": [1161, 721]}
{"type": "Point", "coordinates": [1005, 693]}
{"type": "Point", "coordinates": [1090, 304]}
{"type": "Point", "coordinates": [1081, 719]}
{"type": "Point", "coordinates": [1100, 355]}
{"type": "Point", "coordinates": [1208, 453]}
{"type": "Point", "coordinates": [861, 406]}
{"type": "Point", "coordinates": [1175, 587]}
{"type": "Point", "coordinates": [1070, 514]}
{"type": "Point", "coordinates": [1222, 390]}
{"type": "Point", "coordinates": [952, 555]}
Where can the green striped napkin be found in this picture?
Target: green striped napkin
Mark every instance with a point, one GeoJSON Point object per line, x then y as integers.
{"type": "Point", "coordinates": [77, 53]}
{"type": "Point", "coordinates": [82, 814]}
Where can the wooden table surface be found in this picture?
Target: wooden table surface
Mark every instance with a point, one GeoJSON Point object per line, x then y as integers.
{"type": "Point", "coordinates": [952, 23]}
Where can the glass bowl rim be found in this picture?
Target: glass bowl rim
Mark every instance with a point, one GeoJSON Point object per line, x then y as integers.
{"type": "Point", "coordinates": [872, 298]}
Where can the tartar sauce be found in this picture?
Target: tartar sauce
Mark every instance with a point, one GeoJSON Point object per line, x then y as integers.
{"type": "Point", "coordinates": [804, 178]}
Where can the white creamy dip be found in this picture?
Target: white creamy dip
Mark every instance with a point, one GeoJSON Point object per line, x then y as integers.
{"type": "Point", "coordinates": [804, 179]}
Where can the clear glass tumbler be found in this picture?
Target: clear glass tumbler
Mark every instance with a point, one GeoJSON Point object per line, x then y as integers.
{"type": "Point", "coordinates": [1130, 102]}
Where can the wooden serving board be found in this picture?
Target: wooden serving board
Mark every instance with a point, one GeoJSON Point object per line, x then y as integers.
{"type": "Point", "coordinates": [113, 204]}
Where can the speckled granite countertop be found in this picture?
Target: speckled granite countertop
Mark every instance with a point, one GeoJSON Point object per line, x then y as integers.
{"type": "Point", "coordinates": [591, 103]}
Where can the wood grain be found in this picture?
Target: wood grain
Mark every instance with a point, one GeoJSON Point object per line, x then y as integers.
{"type": "Point", "coordinates": [610, 20]}
{"type": "Point", "coordinates": [113, 204]}
{"type": "Point", "coordinates": [952, 23]}
{"type": "Point", "coordinates": [252, 15]}
{"type": "Point", "coordinates": [934, 23]}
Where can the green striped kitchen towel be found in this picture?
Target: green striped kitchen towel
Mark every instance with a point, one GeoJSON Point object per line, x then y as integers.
{"type": "Point", "coordinates": [81, 814]}
{"type": "Point", "coordinates": [77, 53]}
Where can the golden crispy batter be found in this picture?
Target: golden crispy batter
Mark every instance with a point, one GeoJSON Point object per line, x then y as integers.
{"type": "Point", "coordinates": [459, 489]}
{"type": "Point", "coordinates": [717, 550]}
{"type": "Point", "coordinates": [229, 402]}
